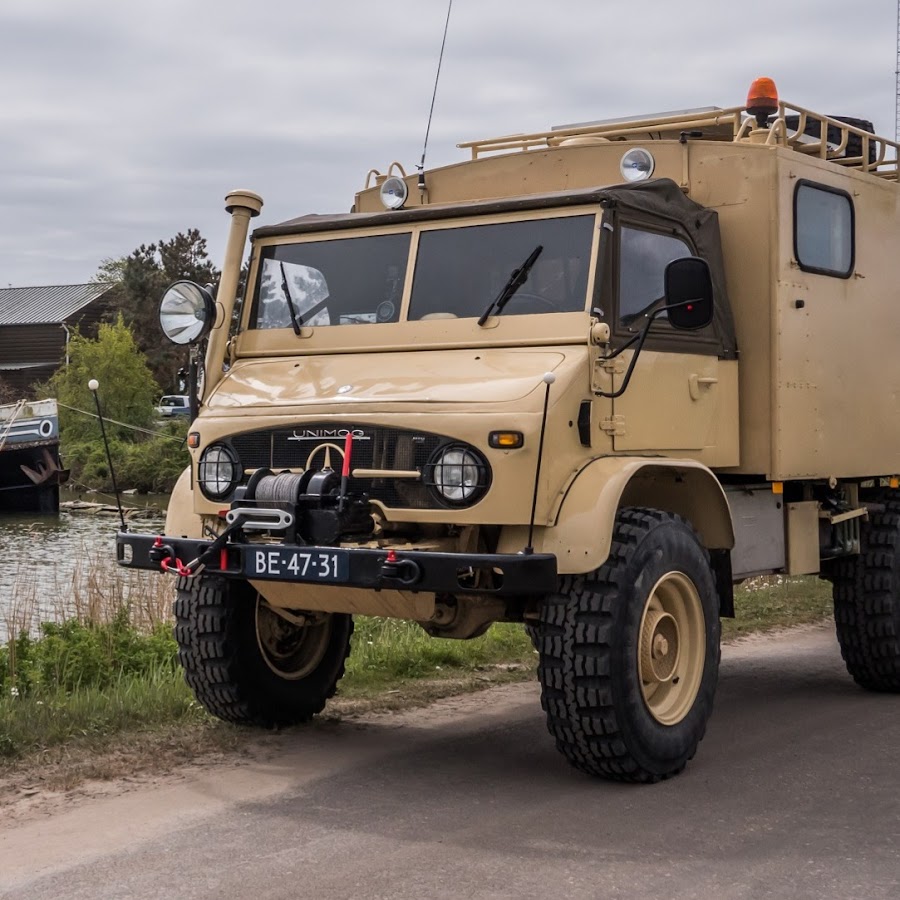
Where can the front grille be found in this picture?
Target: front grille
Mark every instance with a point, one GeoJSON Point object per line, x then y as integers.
{"type": "Point", "coordinates": [373, 448]}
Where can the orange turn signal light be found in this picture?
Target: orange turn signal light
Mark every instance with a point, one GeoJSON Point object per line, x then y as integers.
{"type": "Point", "coordinates": [193, 440]}
{"type": "Point", "coordinates": [506, 440]}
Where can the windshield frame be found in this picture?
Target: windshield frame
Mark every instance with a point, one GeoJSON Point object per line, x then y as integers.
{"type": "Point", "coordinates": [405, 334]}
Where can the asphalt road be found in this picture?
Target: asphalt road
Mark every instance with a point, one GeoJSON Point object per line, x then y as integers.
{"type": "Point", "coordinates": [794, 794]}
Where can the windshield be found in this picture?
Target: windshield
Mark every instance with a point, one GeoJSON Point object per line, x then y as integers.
{"type": "Point", "coordinates": [459, 271]}
{"type": "Point", "coordinates": [334, 282]}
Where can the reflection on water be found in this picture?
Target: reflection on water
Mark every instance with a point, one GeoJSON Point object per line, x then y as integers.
{"type": "Point", "coordinates": [50, 562]}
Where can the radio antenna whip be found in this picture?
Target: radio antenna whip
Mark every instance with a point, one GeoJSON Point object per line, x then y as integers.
{"type": "Point", "coordinates": [421, 166]}
{"type": "Point", "coordinates": [548, 379]}
{"type": "Point", "coordinates": [93, 385]}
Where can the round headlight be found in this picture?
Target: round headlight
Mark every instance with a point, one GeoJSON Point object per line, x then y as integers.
{"type": "Point", "coordinates": [186, 313]}
{"type": "Point", "coordinates": [637, 164]}
{"type": "Point", "coordinates": [219, 471]}
{"type": "Point", "coordinates": [394, 192]}
{"type": "Point", "coordinates": [458, 474]}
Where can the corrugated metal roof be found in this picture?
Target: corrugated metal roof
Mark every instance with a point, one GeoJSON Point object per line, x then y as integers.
{"type": "Point", "coordinates": [46, 305]}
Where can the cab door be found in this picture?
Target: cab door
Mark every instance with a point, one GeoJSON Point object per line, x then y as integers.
{"type": "Point", "coordinates": [682, 398]}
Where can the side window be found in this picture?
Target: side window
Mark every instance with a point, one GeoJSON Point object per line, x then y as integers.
{"type": "Point", "coordinates": [643, 257]}
{"type": "Point", "coordinates": [823, 230]}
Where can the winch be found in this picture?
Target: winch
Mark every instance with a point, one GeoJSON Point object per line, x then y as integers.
{"type": "Point", "coordinates": [310, 507]}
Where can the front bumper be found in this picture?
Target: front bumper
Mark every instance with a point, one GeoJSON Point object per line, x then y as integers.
{"type": "Point", "coordinates": [498, 574]}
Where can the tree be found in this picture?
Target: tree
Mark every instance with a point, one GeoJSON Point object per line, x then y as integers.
{"type": "Point", "coordinates": [127, 393]}
{"type": "Point", "coordinates": [142, 278]}
{"type": "Point", "coordinates": [127, 387]}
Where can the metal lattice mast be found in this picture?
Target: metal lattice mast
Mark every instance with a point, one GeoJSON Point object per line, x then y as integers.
{"type": "Point", "coordinates": [897, 75]}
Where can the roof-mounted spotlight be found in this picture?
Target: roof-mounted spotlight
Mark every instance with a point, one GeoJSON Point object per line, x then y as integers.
{"type": "Point", "coordinates": [637, 164]}
{"type": "Point", "coordinates": [393, 192]}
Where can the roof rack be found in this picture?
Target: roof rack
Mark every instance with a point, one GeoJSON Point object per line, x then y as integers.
{"type": "Point", "coordinates": [800, 129]}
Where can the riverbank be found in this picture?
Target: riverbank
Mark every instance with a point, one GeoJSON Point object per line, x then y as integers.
{"type": "Point", "coordinates": [106, 699]}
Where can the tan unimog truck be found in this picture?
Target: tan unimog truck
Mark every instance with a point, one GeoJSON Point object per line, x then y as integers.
{"type": "Point", "coordinates": [586, 380]}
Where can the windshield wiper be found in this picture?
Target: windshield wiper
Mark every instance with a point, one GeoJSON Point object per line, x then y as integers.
{"type": "Point", "coordinates": [296, 321]}
{"type": "Point", "coordinates": [516, 280]}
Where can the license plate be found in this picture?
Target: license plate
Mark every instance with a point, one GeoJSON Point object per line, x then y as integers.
{"type": "Point", "coordinates": [297, 565]}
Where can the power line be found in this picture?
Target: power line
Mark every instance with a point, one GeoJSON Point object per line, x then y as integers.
{"type": "Point", "coordinates": [84, 412]}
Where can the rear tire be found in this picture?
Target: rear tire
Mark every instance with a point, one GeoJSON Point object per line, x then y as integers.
{"type": "Point", "coordinates": [866, 592]}
{"type": "Point", "coordinates": [629, 654]}
{"type": "Point", "coordinates": [247, 663]}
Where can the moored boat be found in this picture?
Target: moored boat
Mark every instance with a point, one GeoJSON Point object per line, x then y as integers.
{"type": "Point", "coordinates": [30, 468]}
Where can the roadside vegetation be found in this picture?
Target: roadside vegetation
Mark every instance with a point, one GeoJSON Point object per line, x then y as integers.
{"type": "Point", "coordinates": [135, 365]}
{"type": "Point", "coordinates": [149, 454]}
{"type": "Point", "coordinates": [106, 672]}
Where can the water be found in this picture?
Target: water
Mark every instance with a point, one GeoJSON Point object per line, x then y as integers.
{"type": "Point", "coordinates": [51, 564]}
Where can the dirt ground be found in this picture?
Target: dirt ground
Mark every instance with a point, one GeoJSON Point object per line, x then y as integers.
{"type": "Point", "coordinates": [61, 777]}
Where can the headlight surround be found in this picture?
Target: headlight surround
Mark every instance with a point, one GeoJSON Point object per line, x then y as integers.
{"type": "Point", "coordinates": [186, 312]}
{"type": "Point", "coordinates": [457, 474]}
{"type": "Point", "coordinates": [219, 471]}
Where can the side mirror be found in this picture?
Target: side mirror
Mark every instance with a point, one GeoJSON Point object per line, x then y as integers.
{"type": "Point", "coordinates": [689, 293]}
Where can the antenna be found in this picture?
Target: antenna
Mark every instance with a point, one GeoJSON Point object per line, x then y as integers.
{"type": "Point", "coordinates": [548, 379]}
{"type": "Point", "coordinates": [93, 385]}
{"type": "Point", "coordinates": [421, 166]}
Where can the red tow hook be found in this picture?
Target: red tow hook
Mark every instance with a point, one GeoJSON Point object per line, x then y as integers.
{"type": "Point", "coordinates": [165, 556]}
{"type": "Point", "coordinates": [406, 571]}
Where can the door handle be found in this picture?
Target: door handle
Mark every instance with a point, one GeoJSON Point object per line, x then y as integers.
{"type": "Point", "coordinates": [698, 382]}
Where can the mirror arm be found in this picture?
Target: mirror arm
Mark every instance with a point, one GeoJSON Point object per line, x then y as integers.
{"type": "Point", "coordinates": [194, 382]}
{"type": "Point", "coordinates": [624, 347]}
{"type": "Point", "coordinates": [640, 338]}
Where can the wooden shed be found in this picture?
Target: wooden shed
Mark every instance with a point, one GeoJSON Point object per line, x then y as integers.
{"type": "Point", "coordinates": [35, 325]}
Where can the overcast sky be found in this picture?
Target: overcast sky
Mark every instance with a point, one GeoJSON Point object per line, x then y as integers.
{"type": "Point", "coordinates": [125, 123]}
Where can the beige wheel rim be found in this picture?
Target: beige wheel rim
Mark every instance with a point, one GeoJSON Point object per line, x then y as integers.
{"type": "Point", "coordinates": [291, 644]}
{"type": "Point", "coordinates": [672, 648]}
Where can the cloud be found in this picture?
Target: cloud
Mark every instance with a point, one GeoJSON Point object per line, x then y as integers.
{"type": "Point", "coordinates": [124, 128]}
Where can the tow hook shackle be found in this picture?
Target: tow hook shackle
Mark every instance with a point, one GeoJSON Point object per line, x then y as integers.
{"type": "Point", "coordinates": [161, 552]}
{"type": "Point", "coordinates": [164, 554]}
{"type": "Point", "coordinates": [406, 571]}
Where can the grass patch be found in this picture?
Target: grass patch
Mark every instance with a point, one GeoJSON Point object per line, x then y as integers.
{"type": "Point", "coordinates": [777, 601]}
{"type": "Point", "coordinates": [89, 716]}
{"type": "Point", "coordinates": [389, 653]}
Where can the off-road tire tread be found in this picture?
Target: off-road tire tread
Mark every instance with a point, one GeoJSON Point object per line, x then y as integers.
{"type": "Point", "coordinates": [205, 631]}
{"type": "Point", "coordinates": [575, 645]}
{"type": "Point", "coordinates": [866, 593]}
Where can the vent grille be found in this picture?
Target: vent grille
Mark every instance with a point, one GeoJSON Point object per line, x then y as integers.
{"type": "Point", "coordinates": [373, 448]}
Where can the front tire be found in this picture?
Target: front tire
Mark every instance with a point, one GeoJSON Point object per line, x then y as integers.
{"type": "Point", "coordinates": [629, 654]}
{"type": "Point", "coordinates": [252, 664]}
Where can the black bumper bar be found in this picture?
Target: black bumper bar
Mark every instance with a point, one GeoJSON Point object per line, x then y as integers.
{"type": "Point", "coordinates": [501, 574]}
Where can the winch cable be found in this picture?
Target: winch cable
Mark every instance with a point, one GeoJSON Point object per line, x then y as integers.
{"type": "Point", "coordinates": [281, 488]}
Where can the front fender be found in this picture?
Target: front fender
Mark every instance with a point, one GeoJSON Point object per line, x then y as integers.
{"type": "Point", "coordinates": [181, 520]}
{"type": "Point", "coordinates": [581, 534]}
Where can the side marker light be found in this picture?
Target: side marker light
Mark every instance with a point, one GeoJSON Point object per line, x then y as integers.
{"type": "Point", "coordinates": [506, 440]}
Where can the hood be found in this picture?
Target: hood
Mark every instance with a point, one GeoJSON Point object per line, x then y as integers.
{"type": "Point", "coordinates": [444, 376]}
